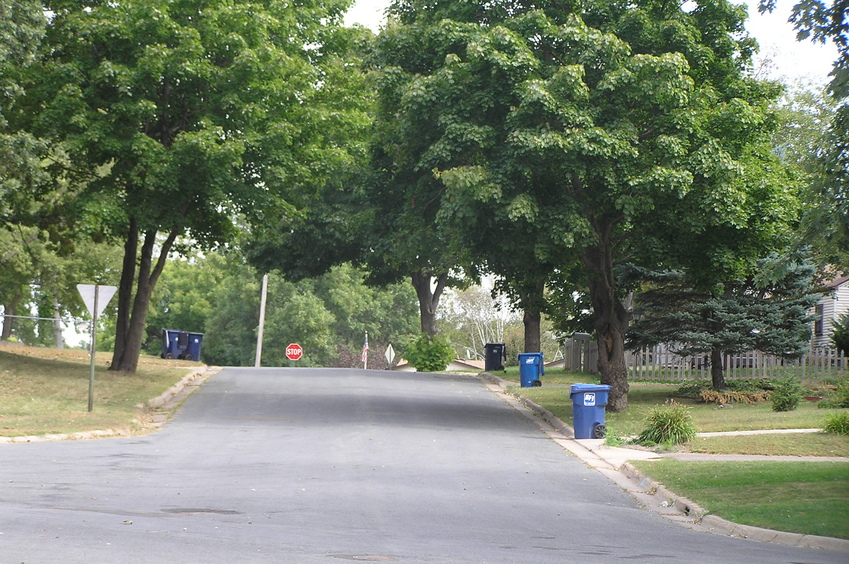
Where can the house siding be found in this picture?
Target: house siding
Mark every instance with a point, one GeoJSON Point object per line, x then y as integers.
{"type": "Point", "coordinates": [834, 304]}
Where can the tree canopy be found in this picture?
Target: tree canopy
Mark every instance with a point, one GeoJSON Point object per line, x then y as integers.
{"type": "Point", "coordinates": [827, 222]}
{"type": "Point", "coordinates": [614, 130]}
{"type": "Point", "coordinates": [768, 311]}
{"type": "Point", "coordinates": [180, 117]}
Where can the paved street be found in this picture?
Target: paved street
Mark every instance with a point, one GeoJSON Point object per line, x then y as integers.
{"type": "Point", "coordinates": [312, 465]}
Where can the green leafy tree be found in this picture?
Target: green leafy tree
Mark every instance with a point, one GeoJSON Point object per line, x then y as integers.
{"type": "Point", "coordinates": [218, 294]}
{"type": "Point", "coordinates": [185, 297]}
{"type": "Point", "coordinates": [805, 138]}
{"type": "Point", "coordinates": [840, 334]}
{"type": "Point", "coordinates": [614, 130]}
{"type": "Point", "coordinates": [827, 223]}
{"type": "Point", "coordinates": [179, 117]}
{"type": "Point", "coordinates": [387, 313]}
{"type": "Point", "coordinates": [768, 311]}
{"type": "Point", "coordinates": [230, 331]}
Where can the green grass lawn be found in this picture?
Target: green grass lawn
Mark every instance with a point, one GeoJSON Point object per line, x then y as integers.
{"type": "Point", "coordinates": [806, 444]}
{"type": "Point", "coordinates": [45, 391]}
{"type": "Point", "coordinates": [708, 417]}
{"type": "Point", "coordinates": [799, 497]}
{"type": "Point", "coordinates": [803, 497]}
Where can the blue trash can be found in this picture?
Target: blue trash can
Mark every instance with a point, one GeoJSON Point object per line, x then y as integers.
{"type": "Point", "coordinates": [170, 343]}
{"type": "Point", "coordinates": [181, 344]}
{"type": "Point", "coordinates": [192, 351]}
{"type": "Point", "coordinates": [588, 403]}
{"type": "Point", "coordinates": [530, 369]}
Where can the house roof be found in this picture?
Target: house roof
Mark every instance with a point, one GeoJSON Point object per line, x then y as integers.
{"type": "Point", "coordinates": [837, 282]}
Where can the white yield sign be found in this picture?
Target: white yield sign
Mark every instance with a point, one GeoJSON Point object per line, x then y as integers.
{"type": "Point", "coordinates": [95, 298]}
{"type": "Point", "coordinates": [390, 355]}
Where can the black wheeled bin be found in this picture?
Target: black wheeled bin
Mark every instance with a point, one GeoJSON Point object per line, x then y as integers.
{"type": "Point", "coordinates": [494, 356]}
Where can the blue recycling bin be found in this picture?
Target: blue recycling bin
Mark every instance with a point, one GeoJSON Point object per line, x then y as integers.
{"type": "Point", "coordinates": [530, 369]}
{"type": "Point", "coordinates": [181, 344]}
{"type": "Point", "coordinates": [170, 343]}
{"type": "Point", "coordinates": [192, 351]}
{"type": "Point", "coordinates": [588, 409]}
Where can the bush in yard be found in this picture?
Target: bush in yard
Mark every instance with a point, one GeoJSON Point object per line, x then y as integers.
{"type": "Point", "coordinates": [429, 354]}
{"type": "Point", "coordinates": [739, 391]}
{"type": "Point", "coordinates": [709, 395]}
{"type": "Point", "coordinates": [787, 394]}
{"type": "Point", "coordinates": [837, 423]}
{"type": "Point", "coordinates": [840, 333]}
{"type": "Point", "coordinates": [670, 423]}
{"type": "Point", "coordinates": [839, 397]}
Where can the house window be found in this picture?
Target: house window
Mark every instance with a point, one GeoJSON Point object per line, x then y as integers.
{"type": "Point", "coordinates": [819, 329]}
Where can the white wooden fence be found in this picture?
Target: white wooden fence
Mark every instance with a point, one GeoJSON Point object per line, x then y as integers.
{"type": "Point", "coordinates": [660, 364]}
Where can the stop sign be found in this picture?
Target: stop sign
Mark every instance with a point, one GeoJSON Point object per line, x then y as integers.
{"type": "Point", "coordinates": [294, 351]}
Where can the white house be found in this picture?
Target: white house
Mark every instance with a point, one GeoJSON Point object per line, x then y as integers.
{"type": "Point", "coordinates": [831, 306]}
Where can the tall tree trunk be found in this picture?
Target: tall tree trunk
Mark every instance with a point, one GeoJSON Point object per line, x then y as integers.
{"type": "Point", "coordinates": [717, 374]}
{"type": "Point", "coordinates": [148, 275]}
{"type": "Point", "coordinates": [125, 293]}
{"type": "Point", "coordinates": [531, 321]}
{"type": "Point", "coordinates": [428, 295]}
{"type": "Point", "coordinates": [611, 320]}
{"type": "Point", "coordinates": [58, 330]}
{"type": "Point", "coordinates": [10, 309]}
{"type": "Point", "coordinates": [532, 299]}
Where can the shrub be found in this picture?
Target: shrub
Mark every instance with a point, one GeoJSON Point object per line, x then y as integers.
{"type": "Point", "coordinates": [429, 354]}
{"type": "Point", "coordinates": [837, 423]}
{"type": "Point", "coordinates": [840, 333]}
{"type": "Point", "coordinates": [787, 394]}
{"type": "Point", "coordinates": [670, 423]}
{"type": "Point", "coordinates": [691, 390]}
{"type": "Point", "coordinates": [839, 397]}
{"type": "Point", "coordinates": [730, 396]}
{"type": "Point", "coordinates": [742, 391]}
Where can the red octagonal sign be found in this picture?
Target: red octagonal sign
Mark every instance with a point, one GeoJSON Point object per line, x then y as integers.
{"type": "Point", "coordinates": [294, 351]}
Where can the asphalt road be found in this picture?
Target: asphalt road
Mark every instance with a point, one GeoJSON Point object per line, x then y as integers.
{"type": "Point", "coordinates": [312, 465]}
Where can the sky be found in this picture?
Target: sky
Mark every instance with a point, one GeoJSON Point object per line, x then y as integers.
{"type": "Point", "coordinates": [790, 60]}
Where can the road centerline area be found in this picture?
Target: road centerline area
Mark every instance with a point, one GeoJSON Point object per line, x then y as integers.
{"type": "Point", "coordinates": [318, 465]}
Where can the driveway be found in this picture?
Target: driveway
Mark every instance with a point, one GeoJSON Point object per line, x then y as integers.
{"type": "Point", "coordinates": [317, 465]}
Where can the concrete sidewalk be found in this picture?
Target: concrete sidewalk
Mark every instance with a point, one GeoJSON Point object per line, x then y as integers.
{"type": "Point", "coordinates": [615, 463]}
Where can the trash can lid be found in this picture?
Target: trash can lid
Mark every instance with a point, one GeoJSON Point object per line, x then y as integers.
{"type": "Point", "coordinates": [581, 388]}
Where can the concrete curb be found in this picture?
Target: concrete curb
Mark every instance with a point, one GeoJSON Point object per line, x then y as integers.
{"type": "Point", "coordinates": [154, 413]}
{"type": "Point", "coordinates": [653, 495]}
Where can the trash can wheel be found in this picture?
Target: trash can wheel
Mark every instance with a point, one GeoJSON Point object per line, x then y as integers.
{"type": "Point", "coordinates": [168, 355]}
{"type": "Point", "coordinates": [599, 431]}
{"type": "Point", "coordinates": [537, 384]}
{"type": "Point", "coordinates": [188, 357]}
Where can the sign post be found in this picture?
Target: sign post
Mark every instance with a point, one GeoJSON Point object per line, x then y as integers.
{"type": "Point", "coordinates": [263, 299]}
{"type": "Point", "coordinates": [294, 352]}
{"type": "Point", "coordinates": [95, 298]}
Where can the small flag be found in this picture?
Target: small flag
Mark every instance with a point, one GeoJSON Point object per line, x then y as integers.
{"type": "Point", "coordinates": [364, 357]}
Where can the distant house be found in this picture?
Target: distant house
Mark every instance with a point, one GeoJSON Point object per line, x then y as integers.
{"type": "Point", "coordinates": [831, 306]}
